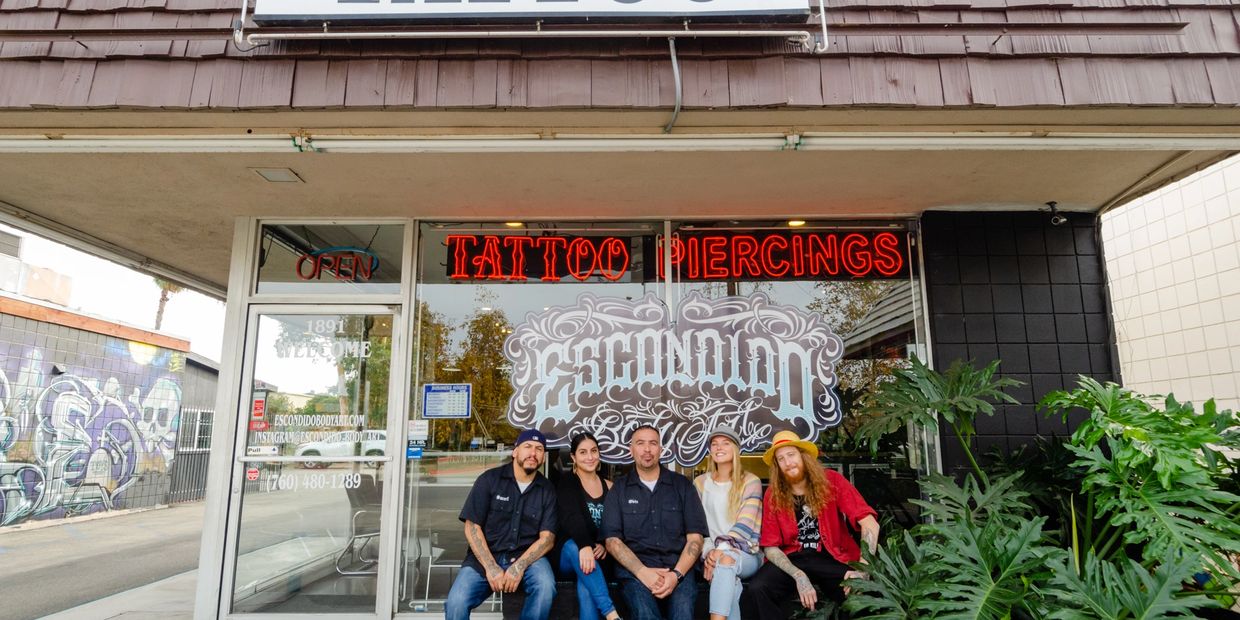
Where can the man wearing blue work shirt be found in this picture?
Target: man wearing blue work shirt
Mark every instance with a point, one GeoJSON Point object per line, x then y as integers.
{"type": "Point", "coordinates": [654, 525]}
{"type": "Point", "coordinates": [510, 524]}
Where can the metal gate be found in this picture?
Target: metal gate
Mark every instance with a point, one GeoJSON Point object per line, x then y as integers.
{"type": "Point", "coordinates": [189, 465]}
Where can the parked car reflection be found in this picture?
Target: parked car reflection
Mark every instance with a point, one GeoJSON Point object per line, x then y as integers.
{"type": "Point", "coordinates": [346, 443]}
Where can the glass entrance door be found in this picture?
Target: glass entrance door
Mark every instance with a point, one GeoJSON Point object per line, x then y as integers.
{"type": "Point", "coordinates": [308, 508]}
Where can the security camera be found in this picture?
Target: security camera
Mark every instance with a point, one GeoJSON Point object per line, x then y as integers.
{"type": "Point", "coordinates": [1056, 218]}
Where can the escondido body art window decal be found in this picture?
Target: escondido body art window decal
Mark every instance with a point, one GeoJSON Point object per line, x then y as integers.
{"type": "Point", "coordinates": [608, 364]}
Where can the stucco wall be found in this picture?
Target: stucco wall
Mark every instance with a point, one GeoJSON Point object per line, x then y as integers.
{"type": "Point", "coordinates": [1173, 265]}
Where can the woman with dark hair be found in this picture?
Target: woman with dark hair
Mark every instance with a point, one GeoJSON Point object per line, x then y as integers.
{"type": "Point", "coordinates": [580, 512]}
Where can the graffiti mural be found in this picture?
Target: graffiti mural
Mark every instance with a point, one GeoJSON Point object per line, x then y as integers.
{"type": "Point", "coordinates": [78, 440]}
{"type": "Point", "coordinates": [606, 365]}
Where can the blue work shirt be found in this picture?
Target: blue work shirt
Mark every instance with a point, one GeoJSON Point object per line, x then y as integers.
{"type": "Point", "coordinates": [511, 521]}
{"type": "Point", "coordinates": [654, 525]}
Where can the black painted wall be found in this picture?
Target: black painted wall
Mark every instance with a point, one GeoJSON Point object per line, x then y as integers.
{"type": "Point", "coordinates": [1011, 286]}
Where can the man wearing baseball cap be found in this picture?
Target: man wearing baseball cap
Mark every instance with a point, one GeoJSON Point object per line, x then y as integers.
{"type": "Point", "coordinates": [510, 522]}
{"type": "Point", "coordinates": [805, 519]}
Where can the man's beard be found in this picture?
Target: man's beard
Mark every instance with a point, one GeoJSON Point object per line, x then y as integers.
{"type": "Point", "coordinates": [530, 471]}
{"type": "Point", "coordinates": [800, 475]}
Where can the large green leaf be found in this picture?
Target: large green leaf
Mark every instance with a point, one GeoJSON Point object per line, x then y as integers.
{"type": "Point", "coordinates": [976, 502]}
{"type": "Point", "coordinates": [1188, 521]}
{"type": "Point", "coordinates": [1169, 440]}
{"type": "Point", "coordinates": [1154, 474]}
{"type": "Point", "coordinates": [901, 577]}
{"type": "Point", "coordinates": [918, 395]}
{"type": "Point", "coordinates": [990, 570]}
{"type": "Point", "coordinates": [1122, 591]}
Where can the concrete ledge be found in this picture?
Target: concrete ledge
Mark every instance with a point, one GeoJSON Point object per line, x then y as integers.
{"type": "Point", "coordinates": [38, 524]}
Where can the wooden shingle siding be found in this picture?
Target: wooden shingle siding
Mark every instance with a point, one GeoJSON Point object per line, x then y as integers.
{"type": "Point", "coordinates": [1224, 77]}
{"type": "Point", "coordinates": [1198, 67]}
{"type": "Point", "coordinates": [558, 84]}
{"type": "Point", "coordinates": [767, 82]}
{"type": "Point", "coordinates": [803, 81]}
{"type": "Point", "coordinates": [218, 84]}
{"type": "Point", "coordinates": [705, 83]}
{"type": "Point", "coordinates": [26, 20]}
{"type": "Point", "coordinates": [1023, 82]}
{"type": "Point", "coordinates": [757, 82]}
{"type": "Point", "coordinates": [70, 81]}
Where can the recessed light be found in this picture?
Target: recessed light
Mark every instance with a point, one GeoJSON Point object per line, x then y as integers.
{"type": "Point", "coordinates": [514, 224]}
{"type": "Point", "coordinates": [796, 223]}
{"type": "Point", "coordinates": [278, 175]}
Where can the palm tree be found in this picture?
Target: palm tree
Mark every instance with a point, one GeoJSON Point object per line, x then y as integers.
{"type": "Point", "coordinates": [166, 290]}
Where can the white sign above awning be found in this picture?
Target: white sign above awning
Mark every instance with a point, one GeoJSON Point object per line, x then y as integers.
{"type": "Point", "coordinates": [327, 10]}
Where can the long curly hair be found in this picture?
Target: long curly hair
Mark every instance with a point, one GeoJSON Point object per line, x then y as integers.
{"type": "Point", "coordinates": [817, 490]}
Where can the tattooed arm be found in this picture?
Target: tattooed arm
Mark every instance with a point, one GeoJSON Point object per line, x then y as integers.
{"type": "Point", "coordinates": [625, 556]}
{"type": "Point", "coordinates": [512, 577]}
{"type": "Point", "coordinates": [478, 544]}
{"type": "Point", "coordinates": [869, 536]}
{"type": "Point", "coordinates": [688, 557]}
{"type": "Point", "coordinates": [805, 589]}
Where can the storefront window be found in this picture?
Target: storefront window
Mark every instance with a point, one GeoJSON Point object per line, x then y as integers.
{"type": "Point", "coordinates": [484, 292]}
{"type": "Point", "coordinates": [314, 463]}
{"type": "Point", "coordinates": [569, 327]}
{"type": "Point", "coordinates": [819, 315]}
{"type": "Point", "coordinates": [330, 258]}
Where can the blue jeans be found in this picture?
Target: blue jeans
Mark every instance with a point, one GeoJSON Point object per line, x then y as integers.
{"type": "Point", "coordinates": [593, 599]}
{"type": "Point", "coordinates": [644, 606]}
{"type": "Point", "coordinates": [471, 588]}
{"type": "Point", "coordinates": [725, 584]}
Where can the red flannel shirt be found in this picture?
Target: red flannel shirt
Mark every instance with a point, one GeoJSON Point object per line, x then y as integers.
{"type": "Point", "coordinates": [779, 527]}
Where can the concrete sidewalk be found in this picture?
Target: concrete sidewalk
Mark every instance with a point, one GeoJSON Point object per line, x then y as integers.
{"type": "Point", "coordinates": [46, 569]}
{"type": "Point", "coordinates": [168, 599]}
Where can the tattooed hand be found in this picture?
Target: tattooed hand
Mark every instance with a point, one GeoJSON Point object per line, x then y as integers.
{"type": "Point", "coordinates": [854, 574]}
{"type": "Point", "coordinates": [805, 590]}
{"type": "Point", "coordinates": [512, 576]}
{"type": "Point", "coordinates": [495, 577]}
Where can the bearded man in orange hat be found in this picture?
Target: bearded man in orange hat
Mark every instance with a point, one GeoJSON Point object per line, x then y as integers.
{"type": "Point", "coordinates": [805, 535]}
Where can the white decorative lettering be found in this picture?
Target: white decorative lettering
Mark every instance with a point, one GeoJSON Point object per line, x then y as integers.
{"type": "Point", "coordinates": [606, 365]}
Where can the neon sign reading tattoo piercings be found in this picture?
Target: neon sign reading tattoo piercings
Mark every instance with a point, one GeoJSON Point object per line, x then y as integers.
{"type": "Point", "coordinates": [695, 256]}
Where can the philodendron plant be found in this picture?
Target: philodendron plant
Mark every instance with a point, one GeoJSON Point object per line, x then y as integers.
{"type": "Point", "coordinates": [1153, 480]}
{"type": "Point", "coordinates": [1149, 511]}
{"type": "Point", "coordinates": [920, 396]}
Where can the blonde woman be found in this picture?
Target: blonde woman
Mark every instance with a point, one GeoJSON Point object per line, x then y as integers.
{"type": "Point", "coordinates": [732, 499]}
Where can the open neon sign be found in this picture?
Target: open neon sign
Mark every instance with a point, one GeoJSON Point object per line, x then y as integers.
{"type": "Point", "coordinates": [695, 256]}
{"type": "Point", "coordinates": [347, 264]}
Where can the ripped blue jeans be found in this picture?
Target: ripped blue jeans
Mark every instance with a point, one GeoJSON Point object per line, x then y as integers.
{"type": "Point", "coordinates": [725, 584]}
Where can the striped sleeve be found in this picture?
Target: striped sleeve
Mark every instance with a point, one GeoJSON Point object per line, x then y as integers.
{"type": "Point", "coordinates": [749, 518]}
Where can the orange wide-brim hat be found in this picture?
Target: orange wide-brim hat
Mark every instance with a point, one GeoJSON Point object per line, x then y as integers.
{"type": "Point", "coordinates": [788, 438]}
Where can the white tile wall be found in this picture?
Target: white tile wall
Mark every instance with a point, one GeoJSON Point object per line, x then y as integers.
{"type": "Point", "coordinates": [1173, 267]}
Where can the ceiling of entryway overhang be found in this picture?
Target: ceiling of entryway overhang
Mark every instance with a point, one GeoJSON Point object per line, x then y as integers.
{"type": "Point", "coordinates": [178, 209]}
